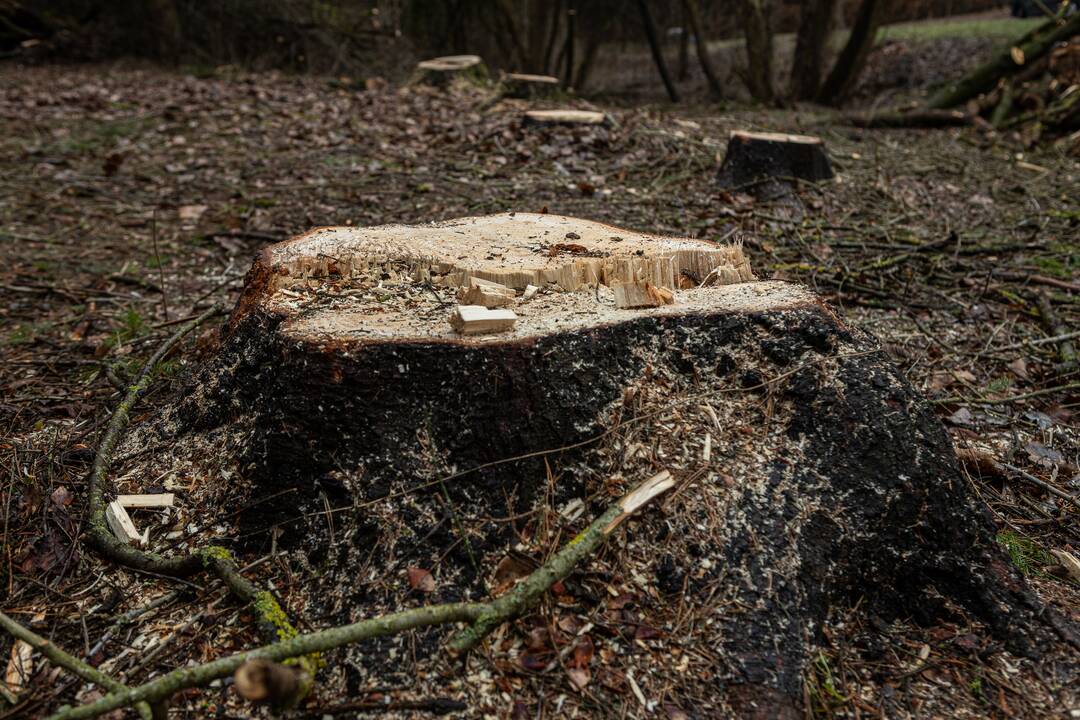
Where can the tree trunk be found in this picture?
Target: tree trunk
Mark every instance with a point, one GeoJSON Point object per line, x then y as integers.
{"type": "Point", "coordinates": [683, 71]}
{"type": "Point", "coordinates": [807, 69]}
{"type": "Point", "coordinates": [372, 438]}
{"type": "Point", "coordinates": [701, 45]}
{"type": "Point", "coordinates": [571, 41]}
{"type": "Point", "coordinates": [657, 50]}
{"type": "Point", "coordinates": [759, 49]}
{"type": "Point", "coordinates": [845, 72]}
{"type": "Point", "coordinates": [1031, 46]}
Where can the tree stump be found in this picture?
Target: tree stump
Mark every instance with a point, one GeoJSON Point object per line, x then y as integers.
{"type": "Point", "coordinates": [402, 462]}
{"type": "Point", "coordinates": [441, 71]}
{"type": "Point", "coordinates": [754, 160]}
{"type": "Point", "coordinates": [529, 87]}
{"type": "Point", "coordinates": [569, 118]}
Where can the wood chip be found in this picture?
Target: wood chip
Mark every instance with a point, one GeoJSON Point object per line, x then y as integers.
{"type": "Point", "coordinates": [153, 500]}
{"type": "Point", "coordinates": [19, 668]}
{"type": "Point", "coordinates": [120, 523]}
{"type": "Point", "coordinates": [1070, 562]}
{"type": "Point", "coordinates": [641, 294]}
{"type": "Point", "coordinates": [486, 294]}
{"type": "Point", "coordinates": [479, 320]}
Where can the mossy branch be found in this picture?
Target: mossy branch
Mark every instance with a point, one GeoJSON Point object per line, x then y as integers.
{"type": "Point", "coordinates": [69, 662]}
{"type": "Point", "coordinates": [484, 617]}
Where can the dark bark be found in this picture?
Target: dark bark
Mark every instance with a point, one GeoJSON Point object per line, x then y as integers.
{"type": "Point", "coordinates": [847, 490]}
{"type": "Point", "coordinates": [849, 64]}
{"type": "Point", "coordinates": [657, 50]}
{"type": "Point", "coordinates": [571, 41]}
{"type": "Point", "coordinates": [759, 49]}
{"type": "Point", "coordinates": [553, 35]}
{"type": "Point", "coordinates": [815, 24]}
{"type": "Point", "coordinates": [753, 159]}
{"type": "Point", "coordinates": [701, 45]}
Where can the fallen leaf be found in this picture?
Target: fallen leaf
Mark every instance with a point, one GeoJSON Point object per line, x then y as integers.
{"type": "Point", "coordinates": [674, 712]}
{"type": "Point", "coordinates": [421, 580]}
{"type": "Point", "coordinates": [579, 678]}
{"type": "Point", "coordinates": [583, 653]}
{"type": "Point", "coordinates": [61, 497]}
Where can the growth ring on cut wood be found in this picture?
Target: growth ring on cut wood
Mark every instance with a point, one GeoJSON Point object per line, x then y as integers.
{"type": "Point", "coordinates": [441, 71]}
{"type": "Point", "coordinates": [755, 157]}
{"type": "Point", "coordinates": [812, 478]}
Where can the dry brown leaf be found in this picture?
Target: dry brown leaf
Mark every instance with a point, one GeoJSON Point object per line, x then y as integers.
{"type": "Point", "coordinates": [421, 580]}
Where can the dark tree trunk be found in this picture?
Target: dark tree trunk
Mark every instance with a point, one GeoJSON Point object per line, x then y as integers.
{"type": "Point", "coordinates": [701, 45]}
{"type": "Point", "coordinates": [759, 49]}
{"type": "Point", "coordinates": [553, 35]}
{"type": "Point", "coordinates": [849, 64]}
{"type": "Point", "coordinates": [808, 67]}
{"type": "Point", "coordinates": [657, 50]}
{"type": "Point", "coordinates": [571, 42]}
{"type": "Point", "coordinates": [828, 482]}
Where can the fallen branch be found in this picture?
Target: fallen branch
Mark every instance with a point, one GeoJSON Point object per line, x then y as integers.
{"type": "Point", "coordinates": [1066, 348]}
{"type": "Point", "coordinates": [485, 617]}
{"type": "Point", "coordinates": [1009, 61]}
{"type": "Point", "coordinates": [911, 119]}
{"type": "Point", "coordinates": [69, 662]}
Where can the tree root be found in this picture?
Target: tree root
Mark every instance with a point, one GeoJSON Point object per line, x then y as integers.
{"type": "Point", "coordinates": [256, 668]}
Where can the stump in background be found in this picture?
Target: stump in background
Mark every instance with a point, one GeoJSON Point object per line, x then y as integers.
{"type": "Point", "coordinates": [367, 437]}
{"type": "Point", "coordinates": [441, 71]}
{"type": "Point", "coordinates": [529, 87]}
{"type": "Point", "coordinates": [772, 161]}
{"type": "Point", "coordinates": [570, 118]}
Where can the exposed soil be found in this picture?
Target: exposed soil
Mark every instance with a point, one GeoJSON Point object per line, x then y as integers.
{"type": "Point", "coordinates": [133, 197]}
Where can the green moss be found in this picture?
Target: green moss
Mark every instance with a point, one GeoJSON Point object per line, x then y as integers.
{"type": "Point", "coordinates": [1026, 554]}
{"type": "Point", "coordinates": [269, 611]}
{"type": "Point", "coordinates": [214, 552]}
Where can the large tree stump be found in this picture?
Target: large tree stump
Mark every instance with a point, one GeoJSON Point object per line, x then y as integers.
{"type": "Point", "coordinates": [368, 437]}
{"type": "Point", "coordinates": [756, 159]}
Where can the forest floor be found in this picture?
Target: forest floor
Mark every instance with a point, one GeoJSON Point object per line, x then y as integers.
{"type": "Point", "coordinates": [131, 198]}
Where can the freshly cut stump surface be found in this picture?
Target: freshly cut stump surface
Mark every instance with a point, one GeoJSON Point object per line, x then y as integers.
{"type": "Point", "coordinates": [525, 86]}
{"type": "Point", "coordinates": [441, 71]}
{"type": "Point", "coordinates": [548, 118]}
{"type": "Point", "coordinates": [363, 437]}
{"type": "Point", "coordinates": [755, 157]}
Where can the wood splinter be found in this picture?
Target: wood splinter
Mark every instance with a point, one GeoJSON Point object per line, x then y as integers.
{"type": "Point", "coordinates": [641, 295]}
{"type": "Point", "coordinates": [479, 320]}
{"type": "Point", "coordinates": [486, 294]}
{"type": "Point", "coordinates": [151, 500]}
{"type": "Point", "coordinates": [120, 523]}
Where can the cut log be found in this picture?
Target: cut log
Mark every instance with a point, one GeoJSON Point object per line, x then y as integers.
{"type": "Point", "coordinates": [529, 87]}
{"type": "Point", "coordinates": [479, 320]}
{"type": "Point", "coordinates": [828, 482]}
{"type": "Point", "coordinates": [549, 118]}
{"type": "Point", "coordinates": [756, 158]}
{"type": "Point", "coordinates": [441, 71]}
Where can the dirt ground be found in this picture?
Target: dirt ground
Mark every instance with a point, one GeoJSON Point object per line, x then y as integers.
{"type": "Point", "coordinates": [133, 197]}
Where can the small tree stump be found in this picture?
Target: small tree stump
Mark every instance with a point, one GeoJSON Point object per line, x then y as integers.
{"type": "Point", "coordinates": [570, 118]}
{"type": "Point", "coordinates": [441, 71]}
{"type": "Point", "coordinates": [372, 438]}
{"type": "Point", "coordinates": [754, 158]}
{"type": "Point", "coordinates": [529, 87]}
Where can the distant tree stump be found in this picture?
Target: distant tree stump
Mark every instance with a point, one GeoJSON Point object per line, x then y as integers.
{"type": "Point", "coordinates": [441, 71]}
{"type": "Point", "coordinates": [569, 118]}
{"type": "Point", "coordinates": [769, 158]}
{"type": "Point", "coordinates": [529, 87]}
{"type": "Point", "coordinates": [372, 437]}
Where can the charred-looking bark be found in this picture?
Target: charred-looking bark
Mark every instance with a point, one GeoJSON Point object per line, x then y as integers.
{"type": "Point", "coordinates": [759, 49]}
{"type": "Point", "coordinates": [849, 64]}
{"type": "Point", "coordinates": [807, 69]}
{"type": "Point", "coordinates": [811, 475]}
{"type": "Point", "coordinates": [766, 164]}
